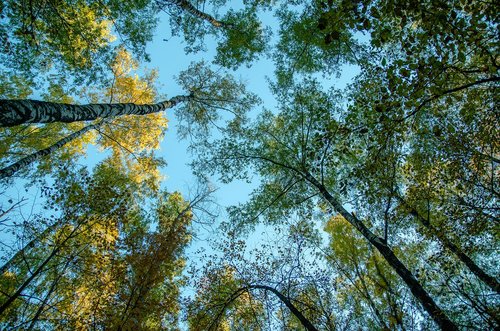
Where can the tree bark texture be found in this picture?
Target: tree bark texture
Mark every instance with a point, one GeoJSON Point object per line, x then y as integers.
{"type": "Point", "coordinates": [16, 112]}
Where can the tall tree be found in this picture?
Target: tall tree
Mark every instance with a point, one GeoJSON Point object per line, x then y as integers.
{"type": "Point", "coordinates": [119, 272]}
{"type": "Point", "coordinates": [403, 162]}
{"type": "Point", "coordinates": [241, 36]}
{"type": "Point", "coordinates": [82, 215]}
{"type": "Point", "coordinates": [208, 92]}
{"type": "Point", "coordinates": [127, 134]}
{"type": "Point", "coordinates": [301, 145]}
{"type": "Point", "coordinates": [15, 112]}
{"type": "Point", "coordinates": [126, 86]}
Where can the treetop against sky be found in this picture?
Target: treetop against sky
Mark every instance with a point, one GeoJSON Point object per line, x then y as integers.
{"type": "Point", "coordinates": [263, 165]}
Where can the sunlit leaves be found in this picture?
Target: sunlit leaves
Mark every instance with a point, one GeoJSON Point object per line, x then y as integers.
{"type": "Point", "coordinates": [72, 36]}
{"type": "Point", "coordinates": [117, 264]}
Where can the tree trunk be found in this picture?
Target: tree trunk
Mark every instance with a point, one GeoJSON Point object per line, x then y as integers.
{"type": "Point", "coordinates": [16, 112]}
{"type": "Point", "coordinates": [26, 161]}
{"type": "Point", "coordinates": [188, 7]}
{"type": "Point", "coordinates": [29, 245]}
{"type": "Point", "coordinates": [366, 293]}
{"type": "Point", "coordinates": [35, 273]}
{"type": "Point", "coordinates": [28, 281]}
{"type": "Point", "coordinates": [305, 322]}
{"type": "Point", "coordinates": [447, 243]}
{"type": "Point", "coordinates": [47, 295]}
{"type": "Point", "coordinates": [415, 287]}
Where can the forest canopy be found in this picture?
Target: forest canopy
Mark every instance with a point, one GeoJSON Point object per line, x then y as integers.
{"type": "Point", "coordinates": [359, 139]}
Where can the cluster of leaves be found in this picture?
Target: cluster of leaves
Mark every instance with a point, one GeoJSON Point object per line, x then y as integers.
{"type": "Point", "coordinates": [70, 36]}
{"type": "Point", "coordinates": [108, 260]}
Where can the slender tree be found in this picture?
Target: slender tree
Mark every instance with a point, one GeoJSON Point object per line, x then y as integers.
{"type": "Point", "coordinates": [37, 270]}
{"type": "Point", "coordinates": [30, 159]}
{"type": "Point", "coordinates": [460, 254]}
{"type": "Point", "coordinates": [16, 112]}
{"type": "Point", "coordinates": [297, 144]}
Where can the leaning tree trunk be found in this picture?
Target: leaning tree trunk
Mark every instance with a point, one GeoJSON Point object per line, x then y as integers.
{"type": "Point", "coordinates": [26, 161]}
{"type": "Point", "coordinates": [16, 112]}
{"type": "Point", "coordinates": [37, 271]}
{"type": "Point", "coordinates": [46, 298]}
{"type": "Point", "coordinates": [28, 281]}
{"type": "Point", "coordinates": [464, 258]}
{"type": "Point", "coordinates": [416, 288]}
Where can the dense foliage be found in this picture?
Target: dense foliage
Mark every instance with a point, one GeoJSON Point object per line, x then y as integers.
{"type": "Point", "coordinates": [378, 201]}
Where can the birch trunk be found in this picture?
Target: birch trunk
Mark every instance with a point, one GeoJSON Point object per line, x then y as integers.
{"type": "Point", "coordinates": [26, 161]}
{"type": "Point", "coordinates": [16, 112]}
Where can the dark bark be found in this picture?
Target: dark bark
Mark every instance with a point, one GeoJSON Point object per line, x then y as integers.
{"type": "Point", "coordinates": [47, 296]}
{"type": "Point", "coordinates": [28, 281]}
{"type": "Point", "coordinates": [35, 273]}
{"type": "Point", "coordinates": [415, 287]}
{"type": "Point", "coordinates": [16, 112]}
{"type": "Point", "coordinates": [29, 245]}
{"type": "Point", "coordinates": [305, 322]}
{"type": "Point", "coordinates": [448, 244]}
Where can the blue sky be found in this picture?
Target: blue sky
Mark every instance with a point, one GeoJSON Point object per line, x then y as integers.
{"type": "Point", "coordinates": [169, 58]}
